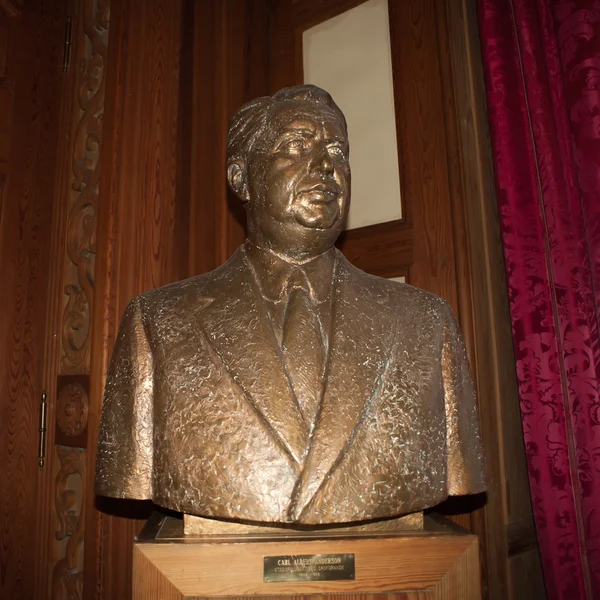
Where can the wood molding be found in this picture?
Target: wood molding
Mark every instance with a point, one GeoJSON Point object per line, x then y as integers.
{"type": "Point", "coordinates": [11, 8]}
{"type": "Point", "coordinates": [475, 294]}
{"type": "Point", "coordinates": [309, 13]}
{"type": "Point", "coordinates": [89, 62]}
{"type": "Point", "coordinates": [422, 146]}
{"type": "Point", "coordinates": [484, 314]}
{"type": "Point", "coordinates": [60, 564]}
{"type": "Point", "coordinates": [72, 410]}
{"type": "Point", "coordinates": [67, 573]}
{"type": "Point", "coordinates": [385, 249]}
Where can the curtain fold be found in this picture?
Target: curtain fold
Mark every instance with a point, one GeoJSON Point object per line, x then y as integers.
{"type": "Point", "coordinates": [541, 61]}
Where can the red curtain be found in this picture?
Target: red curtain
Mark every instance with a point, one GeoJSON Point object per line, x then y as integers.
{"type": "Point", "coordinates": [542, 66]}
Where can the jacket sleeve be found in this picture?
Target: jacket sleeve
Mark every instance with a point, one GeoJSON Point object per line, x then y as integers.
{"type": "Point", "coordinates": [466, 462]}
{"type": "Point", "coordinates": [125, 443]}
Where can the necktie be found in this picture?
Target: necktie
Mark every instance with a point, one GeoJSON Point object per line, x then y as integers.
{"type": "Point", "coordinates": [303, 347]}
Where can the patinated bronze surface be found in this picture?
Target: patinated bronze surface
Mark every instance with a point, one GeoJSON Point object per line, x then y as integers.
{"type": "Point", "coordinates": [199, 526]}
{"type": "Point", "coordinates": [287, 386]}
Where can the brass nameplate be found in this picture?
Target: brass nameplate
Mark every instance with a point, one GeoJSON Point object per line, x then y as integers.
{"type": "Point", "coordinates": [308, 567]}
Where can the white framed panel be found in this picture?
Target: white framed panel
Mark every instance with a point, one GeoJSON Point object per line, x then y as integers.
{"type": "Point", "coordinates": [350, 57]}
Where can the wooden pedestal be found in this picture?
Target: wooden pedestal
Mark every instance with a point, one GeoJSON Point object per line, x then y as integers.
{"type": "Point", "coordinates": [440, 561]}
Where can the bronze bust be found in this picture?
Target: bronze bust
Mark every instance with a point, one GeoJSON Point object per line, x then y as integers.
{"type": "Point", "coordinates": [288, 386]}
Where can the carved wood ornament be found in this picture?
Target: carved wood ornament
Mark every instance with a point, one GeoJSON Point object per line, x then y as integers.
{"type": "Point", "coordinates": [81, 220]}
{"type": "Point", "coordinates": [11, 9]}
{"type": "Point", "coordinates": [67, 575]}
{"type": "Point", "coordinates": [72, 409]}
{"type": "Point", "coordinates": [90, 43]}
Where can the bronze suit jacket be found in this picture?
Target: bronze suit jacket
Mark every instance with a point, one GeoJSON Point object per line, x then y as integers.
{"type": "Point", "coordinates": [200, 417]}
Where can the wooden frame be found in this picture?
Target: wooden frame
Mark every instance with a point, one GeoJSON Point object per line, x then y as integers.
{"type": "Point", "coordinates": [385, 249]}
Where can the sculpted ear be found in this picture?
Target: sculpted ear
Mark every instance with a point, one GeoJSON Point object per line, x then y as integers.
{"type": "Point", "coordinates": [236, 176]}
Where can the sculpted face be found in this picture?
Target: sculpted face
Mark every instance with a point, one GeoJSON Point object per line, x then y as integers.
{"type": "Point", "coordinates": [298, 181]}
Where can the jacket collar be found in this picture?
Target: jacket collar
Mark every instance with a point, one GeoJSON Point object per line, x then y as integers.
{"type": "Point", "coordinates": [276, 276]}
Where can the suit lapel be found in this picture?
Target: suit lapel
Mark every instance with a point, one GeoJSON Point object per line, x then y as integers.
{"type": "Point", "coordinates": [235, 323]}
{"type": "Point", "coordinates": [361, 344]}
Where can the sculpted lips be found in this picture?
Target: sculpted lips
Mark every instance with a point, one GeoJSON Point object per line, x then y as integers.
{"type": "Point", "coordinates": [321, 192]}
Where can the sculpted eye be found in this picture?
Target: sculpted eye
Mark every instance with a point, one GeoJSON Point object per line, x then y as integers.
{"type": "Point", "coordinates": [293, 145]}
{"type": "Point", "coordinates": [336, 150]}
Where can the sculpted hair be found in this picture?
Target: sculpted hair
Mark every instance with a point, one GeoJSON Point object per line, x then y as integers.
{"type": "Point", "coordinates": [250, 121]}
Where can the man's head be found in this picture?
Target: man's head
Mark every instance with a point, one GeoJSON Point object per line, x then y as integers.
{"type": "Point", "coordinates": [287, 158]}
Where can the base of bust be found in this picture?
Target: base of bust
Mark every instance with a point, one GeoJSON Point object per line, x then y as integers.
{"type": "Point", "coordinates": [438, 561]}
{"type": "Point", "coordinates": [193, 525]}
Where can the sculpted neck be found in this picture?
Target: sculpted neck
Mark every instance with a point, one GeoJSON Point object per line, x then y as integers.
{"type": "Point", "coordinates": [291, 242]}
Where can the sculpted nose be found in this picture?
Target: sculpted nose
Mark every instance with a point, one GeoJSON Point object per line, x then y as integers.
{"type": "Point", "coordinates": [323, 161]}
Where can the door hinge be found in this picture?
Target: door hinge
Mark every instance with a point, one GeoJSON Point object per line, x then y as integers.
{"type": "Point", "coordinates": [42, 430]}
{"type": "Point", "coordinates": [67, 46]}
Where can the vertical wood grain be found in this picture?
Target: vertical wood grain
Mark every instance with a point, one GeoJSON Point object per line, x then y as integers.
{"type": "Point", "coordinates": [163, 188]}
{"type": "Point", "coordinates": [526, 576]}
{"type": "Point", "coordinates": [247, 77]}
{"type": "Point", "coordinates": [71, 271]}
{"type": "Point", "coordinates": [207, 115]}
{"type": "Point", "coordinates": [8, 33]}
{"type": "Point", "coordinates": [32, 76]}
{"type": "Point", "coordinates": [164, 213]}
{"type": "Point", "coordinates": [229, 67]}
{"type": "Point", "coordinates": [4, 35]}
{"type": "Point", "coordinates": [422, 145]}
{"type": "Point", "coordinates": [456, 197]}
{"type": "Point", "coordinates": [45, 522]}
{"type": "Point", "coordinates": [138, 246]}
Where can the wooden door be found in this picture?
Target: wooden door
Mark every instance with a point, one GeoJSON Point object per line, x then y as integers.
{"type": "Point", "coordinates": [71, 256]}
{"type": "Point", "coordinates": [31, 89]}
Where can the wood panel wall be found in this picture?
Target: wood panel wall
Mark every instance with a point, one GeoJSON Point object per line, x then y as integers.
{"type": "Point", "coordinates": [226, 64]}
{"type": "Point", "coordinates": [30, 96]}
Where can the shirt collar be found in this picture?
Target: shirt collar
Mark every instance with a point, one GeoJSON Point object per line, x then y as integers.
{"type": "Point", "coordinates": [274, 273]}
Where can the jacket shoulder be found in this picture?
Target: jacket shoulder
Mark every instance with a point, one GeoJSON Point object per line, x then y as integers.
{"type": "Point", "coordinates": [187, 293]}
{"type": "Point", "coordinates": [402, 296]}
